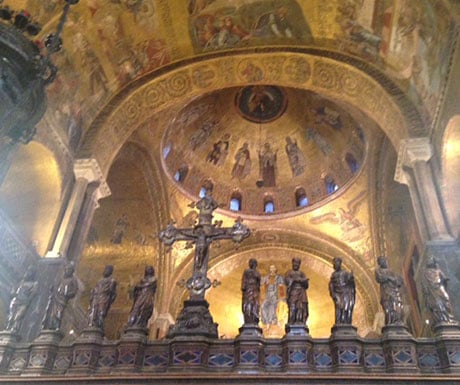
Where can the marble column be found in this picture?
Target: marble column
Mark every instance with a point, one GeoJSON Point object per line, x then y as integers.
{"type": "Point", "coordinates": [86, 171]}
{"type": "Point", "coordinates": [414, 155]}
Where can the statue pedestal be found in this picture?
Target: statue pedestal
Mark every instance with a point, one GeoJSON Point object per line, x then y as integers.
{"type": "Point", "coordinates": [8, 341]}
{"type": "Point", "coordinates": [86, 351]}
{"type": "Point", "coordinates": [194, 320]}
{"type": "Point", "coordinates": [135, 334]}
{"type": "Point", "coordinates": [130, 350]}
{"type": "Point", "coordinates": [400, 349]}
{"type": "Point", "coordinates": [340, 331]}
{"type": "Point", "coordinates": [297, 348]}
{"type": "Point", "coordinates": [346, 348]}
{"type": "Point", "coordinates": [43, 352]}
{"type": "Point", "coordinates": [448, 346]}
{"type": "Point", "coordinates": [447, 329]}
{"type": "Point", "coordinates": [249, 348]}
{"type": "Point", "coordinates": [296, 330]}
{"type": "Point", "coordinates": [395, 331]}
{"type": "Point", "coordinates": [250, 330]}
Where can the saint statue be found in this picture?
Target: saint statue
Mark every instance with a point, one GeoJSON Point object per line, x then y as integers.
{"type": "Point", "coordinates": [21, 297]}
{"type": "Point", "coordinates": [390, 293]}
{"type": "Point", "coordinates": [297, 285]}
{"type": "Point", "coordinates": [343, 292]}
{"type": "Point", "coordinates": [144, 292]}
{"type": "Point", "coordinates": [271, 283]}
{"type": "Point", "coordinates": [251, 293]}
{"type": "Point", "coordinates": [59, 297]}
{"type": "Point", "coordinates": [436, 297]}
{"type": "Point", "coordinates": [102, 297]}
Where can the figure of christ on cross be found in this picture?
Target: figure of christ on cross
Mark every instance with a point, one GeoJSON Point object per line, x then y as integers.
{"type": "Point", "coordinates": [202, 235]}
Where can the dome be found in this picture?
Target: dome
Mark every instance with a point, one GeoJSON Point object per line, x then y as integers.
{"type": "Point", "coordinates": [263, 149]}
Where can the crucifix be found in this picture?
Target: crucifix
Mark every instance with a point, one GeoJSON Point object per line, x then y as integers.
{"type": "Point", "coordinates": [195, 318]}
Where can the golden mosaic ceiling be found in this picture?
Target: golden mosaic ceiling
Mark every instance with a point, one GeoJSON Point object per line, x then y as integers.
{"type": "Point", "coordinates": [257, 143]}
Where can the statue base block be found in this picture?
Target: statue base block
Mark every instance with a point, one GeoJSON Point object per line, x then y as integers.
{"type": "Point", "coordinates": [135, 334]}
{"type": "Point", "coordinates": [8, 340]}
{"type": "Point", "coordinates": [194, 320]}
{"type": "Point", "coordinates": [91, 335]}
{"type": "Point", "coordinates": [7, 337]}
{"type": "Point", "coordinates": [46, 336]}
{"type": "Point", "coordinates": [344, 331]}
{"type": "Point", "coordinates": [86, 351]}
{"type": "Point", "coordinates": [296, 330]}
{"type": "Point", "coordinates": [249, 330]}
{"type": "Point", "coordinates": [447, 330]}
{"type": "Point", "coordinates": [43, 352]}
{"type": "Point", "coordinates": [395, 331]}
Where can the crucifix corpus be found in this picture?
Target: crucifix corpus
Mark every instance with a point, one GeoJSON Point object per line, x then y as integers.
{"type": "Point", "coordinates": [195, 318]}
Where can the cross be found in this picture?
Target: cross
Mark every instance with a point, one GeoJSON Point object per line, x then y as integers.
{"type": "Point", "coordinates": [202, 235]}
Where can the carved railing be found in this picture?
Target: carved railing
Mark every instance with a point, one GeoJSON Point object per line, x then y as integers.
{"type": "Point", "coordinates": [395, 357]}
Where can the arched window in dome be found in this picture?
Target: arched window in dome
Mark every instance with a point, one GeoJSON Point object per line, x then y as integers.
{"type": "Point", "coordinates": [235, 201]}
{"type": "Point", "coordinates": [166, 150]}
{"type": "Point", "coordinates": [269, 205]}
{"type": "Point", "coordinates": [301, 199]}
{"type": "Point", "coordinates": [352, 162]}
{"type": "Point", "coordinates": [206, 186]}
{"type": "Point", "coordinates": [331, 186]}
{"type": "Point", "coordinates": [180, 174]}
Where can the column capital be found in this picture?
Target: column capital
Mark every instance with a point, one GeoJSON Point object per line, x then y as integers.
{"type": "Point", "coordinates": [414, 150]}
{"type": "Point", "coordinates": [90, 170]}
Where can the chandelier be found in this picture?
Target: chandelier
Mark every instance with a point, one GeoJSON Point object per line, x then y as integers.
{"type": "Point", "coordinates": [25, 70]}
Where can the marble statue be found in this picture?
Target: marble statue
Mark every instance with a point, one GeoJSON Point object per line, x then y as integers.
{"type": "Point", "coordinates": [59, 297]}
{"type": "Point", "coordinates": [390, 293]}
{"type": "Point", "coordinates": [437, 299]}
{"type": "Point", "coordinates": [21, 298]}
{"type": "Point", "coordinates": [251, 293]}
{"type": "Point", "coordinates": [144, 292]}
{"type": "Point", "coordinates": [297, 285]}
{"type": "Point", "coordinates": [343, 292]}
{"type": "Point", "coordinates": [102, 297]}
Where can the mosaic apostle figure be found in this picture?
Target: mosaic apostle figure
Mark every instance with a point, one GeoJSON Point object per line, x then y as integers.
{"type": "Point", "coordinates": [295, 156]}
{"type": "Point", "coordinates": [271, 283]}
{"type": "Point", "coordinates": [242, 165]}
{"type": "Point", "coordinates": [343, 292]}
{"type": "Point", "coordinates": [297, 285]}
{"type": "Point", "coordinates": [267, 166]}
{"type": "Point", "coordinates": [251, 293]}
{"type": "Point", "coordinates": [59, 297]}
{"type": "Point", "coordinates": [144, 292]}
{"type": "Point", "coordinates": [390, 293]}
{"type": "Point", "coordinates": [437, 299]}
{"type": "Point", "coordinates": [102, 297]}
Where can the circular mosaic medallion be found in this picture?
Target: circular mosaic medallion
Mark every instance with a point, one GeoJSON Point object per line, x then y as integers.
{"type": "Point", "coordinates": [261, 103]}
